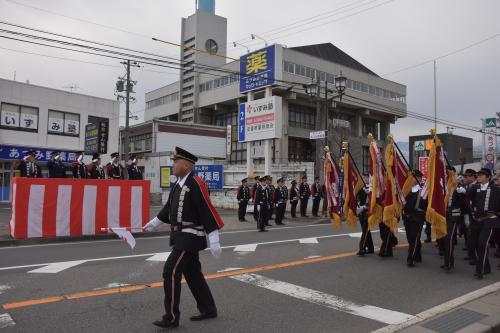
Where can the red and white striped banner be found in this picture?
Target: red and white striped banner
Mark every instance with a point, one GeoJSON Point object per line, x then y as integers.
{"type": "Point", "coordinates": [74, 207]}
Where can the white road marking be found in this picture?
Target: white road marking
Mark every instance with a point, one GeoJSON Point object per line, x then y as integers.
{"type": "Point", "coordinates": [246, 248]}
{"type": "Point", "coordinates": [6, 320]}
{"type": "Point", "coordinates": [229, 269]}
{"type": "Point", "coordinates": [442, 308]}
{"type": "Point", "coordinates": [355, 235]}
{"type": "Point", "coordinates": [113, 285]}
{"type": "Point", "coordinates": [312, 240]}
{"type": "Point", "coordinates": [162, 256]}
{"type": "Point", "coordinates": [312, 257]}
{"type": "Point", "coordinates": [4, 288]}
{"type": "Point", "coordinates": [330, 301]}
{"type": "Point", "coordinates": [57, 266]}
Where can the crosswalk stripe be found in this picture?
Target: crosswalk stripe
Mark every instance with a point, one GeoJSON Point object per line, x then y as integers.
{"type": "Point", "coordinates": [308, 241]}
{"type": "Point", "coordinates": [331, 301]}
{"type": "Point", "coordinates": [6, 320]}
{"type": "Point", "coordinates": [162, 256]}
{"type": "Point", "coordinates": [246, 248]}
{"type": "Point", "coordinates": [57, 266]}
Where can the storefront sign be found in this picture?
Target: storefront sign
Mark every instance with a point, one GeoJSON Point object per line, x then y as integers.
{"type": "Point", "coordinates": [260, 119]}
{"type": "Point", "coordinates": [213, 175]}
{"type": "Point", "coordinates": [423, 166]}
{"type": "Point", "coordinates": [42, 154]}
{"type": "Point", "coordinates": [258, 69]}
{"type": "Point", "coordinates": [489, 142]}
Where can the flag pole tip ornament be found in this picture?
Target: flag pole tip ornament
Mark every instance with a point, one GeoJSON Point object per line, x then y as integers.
{"type": "Point", "coordinates": [390, 138]}
{"type": "Point", "coordinates": [345, 144]}
{"type": "Point", "coordinates": [432, 131]}
{"type": "Point", "coordinates": [370, 137]}
{"type": "Point", "coordinates": [326, 149]}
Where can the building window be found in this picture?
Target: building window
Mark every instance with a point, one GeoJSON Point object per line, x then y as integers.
{"type": "Point", "coordinates": [18, 117]}
{"type": "Point", "coordinates": [185, 105]}
{"type": "Point", "coordinates": [370, 126]}
{"type": "Point", "coordinates": [63, 123]}
{"type": "Point", "coordinates": [301, 116]}
{"type": "Point", "coordinates": [189, 79]}
{"type": "Point", "coordinates": [187, 96]}
{"type": "Point", "coordinates": [366, 159]}
{"type": "Point", "coordinates": [187, 41]}
{"type": "Point", "coordinates": [300, 150]}
{"type": "Point", "coordinates": [162, 100]}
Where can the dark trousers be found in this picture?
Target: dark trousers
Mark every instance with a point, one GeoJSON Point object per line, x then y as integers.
{"type": "Point", "coordinates": [481, 232]}
{"type": "Point", "coordinates": [385, 234]}
{"type": "Point", "coordinates": [256, 212]}
{"type": "Point", "coordinates": [413, 226]}
{"type": "Point", "coordinates": [303, 206]}
{"type": "Point", "coordinates": [294, 208]}
{"type": "Point", "coordinates": [496, 235]}
{"type": "Point", "coordinates": [280, 213]}
{"type": "Point", "coordinates": [270, 211]}
{"type": "Point", "coordinates": [263, 217]}
{"type": "Point", "coordinates": [242, 209]}
{"type": "Point", "coordinates": [315, 208]}
{"type": "Point", "coordinates": [366, 241]}
{"type": "Point", "coordinates": [450, 240]}
{"type": "Point", "coordinates": [428, 230]}
{"type": "Point", "coordinates": [179, 263]}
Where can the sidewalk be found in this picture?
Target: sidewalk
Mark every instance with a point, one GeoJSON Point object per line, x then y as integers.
{"type": "Point", "coordinates": [229, 216]}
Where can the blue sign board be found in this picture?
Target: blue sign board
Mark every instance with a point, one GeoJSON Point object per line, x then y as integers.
{"type": "Point", "coordinates": [213, 175]}
{"type": "Point", "coordinates": [257, 69]}
{"type": "Point", "coordinates": [42, 154]}
{"type": "Point", "coordinates": [241, 123]}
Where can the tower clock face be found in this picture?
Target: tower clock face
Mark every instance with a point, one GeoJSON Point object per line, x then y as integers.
{"type": "Point", "coordinates": [211, 46]}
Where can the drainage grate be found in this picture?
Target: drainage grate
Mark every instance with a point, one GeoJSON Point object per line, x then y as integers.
{"type": "Point", "coordinates": [453, 321]}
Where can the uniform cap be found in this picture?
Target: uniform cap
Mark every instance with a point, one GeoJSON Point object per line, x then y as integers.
{"type": "Point", "coordinates": [115, 154]}
{"type": "Point", "coordinates": [181, 154]}
{"type": "Point", "coordinates": [485, 171]}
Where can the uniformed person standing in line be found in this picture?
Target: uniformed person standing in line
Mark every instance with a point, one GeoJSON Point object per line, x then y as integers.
{"type": "Point", "coordinates": [134, 173]}
{"type": "Point", "coordinates": [28, 166]}
{"type": "Point", "coordinates": [366, 241]}
{"type": "Point", "coordinates": [294, 198]}
{"type": "Point", "coordinates": [316, 194]}
{"type": "Point", "coordinates": [192, 217]}
{"type": "Point", "coordinates": [243, 196]}
{"type": "Point", "coordinates": [470, 180]}
{"type": "Point", "coordinates": [280, 201]}
{"type": "Point", "coordinates": [262, 201]}
{"type": "Point", "coordinates": [456, 208]}
{"type": "Point", "coordinates": [113, 168]}
{"type": "Point", "coordinates": [78, 168]}
{"type": "Point", "coordinates": [414, 218]}
{"type": "Point", "coordinates": [254, 193]}
{"type": "Point", "coordinates": [485, 203]}
{"type": "Point", "coordinates": [304, 194]}
{"type": "Point", "coordinates": [96, 171]}
{"type": "Point", "coordinates": [270, 198]}
{"type": "Point", "coordinates": [56, 168]}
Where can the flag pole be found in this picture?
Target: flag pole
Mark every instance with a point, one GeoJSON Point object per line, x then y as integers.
{"type": "Point", "coordinates": [353, 161]}
{"type": "Point", "coordinates": [404, 158]}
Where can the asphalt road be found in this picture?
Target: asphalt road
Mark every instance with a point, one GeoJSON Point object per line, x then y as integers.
{"type": "Point", "coordinates": [298, 278]}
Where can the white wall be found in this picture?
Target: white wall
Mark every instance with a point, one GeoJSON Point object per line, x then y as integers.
{"type": "Point", "coordinates": [198, 145]}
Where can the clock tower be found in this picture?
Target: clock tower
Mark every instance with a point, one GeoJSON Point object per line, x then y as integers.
{"type": "Point", "coordinates": [204, 31]}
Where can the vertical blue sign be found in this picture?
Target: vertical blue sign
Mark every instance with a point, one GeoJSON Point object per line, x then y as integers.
{"type": "Point", "coordinates": [257, 69]}
{"type": "Point", "coordinates": [241, 123]}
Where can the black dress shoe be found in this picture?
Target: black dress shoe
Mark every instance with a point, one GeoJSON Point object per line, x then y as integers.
{"type": "Point", "coordinates": [262, 230]}
{"type": "Point", "coordinates": [166, 323]}
{"type": "Point", "coordinates": [428, 240]}
{"type": "Point", "coordinates": [203, 316]}
{"type": "Point", "coordinates": [478, 276]}
{"type": "Point", "coordinates": [370, 251]}
{"type": "Point", "coordinates": [361, 253]}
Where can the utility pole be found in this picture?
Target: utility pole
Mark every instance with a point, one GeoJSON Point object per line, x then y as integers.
{"type": "Point", "coordinates": [435, 98]}
{"type": "Point", "coordinates": [128, 87]}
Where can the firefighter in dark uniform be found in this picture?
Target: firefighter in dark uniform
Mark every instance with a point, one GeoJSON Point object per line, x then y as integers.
{"type": "Point", "coordinates": [254, 193]}
{"type": "Point", "coordinates": [262, 201]}
{"type": "Point", "coordinates": [243, 197]}
{"type": "Point", "coordinates": [113, 168]}
{"type": "Point", "coordinates": [28, 166]}
{"type": "Point", "coordinates": [78, 168]}
{"type": "Point", "coordinates": [280, 198]}
{"type": "Point", "coordinates": [55, 166]}
{"type": "Point", "coordinates": [456, 208]}
{"type": "Point", "coordinates": [414, 217]}
{"type": "Point", "coordinates": [270, 198]}
{"type": "Point", "coordinates": [134, 173]}
{"type": "Point", "coordinates": [485, 204]}
{"type": "Point", "coordinates": [96, 171]}
{"type": "Point", "coordinates": [304, 194]}
{"type": "Point", "coordinates": [366, 241]}
{"type": "Point", "coordinates": [470, 180]}
{"type": "Point", "coordinates": [317, 195]}
{"type": "Point", "coordinates": [192, 218]}
{"type": "Point", "coordinates": [294, 198]}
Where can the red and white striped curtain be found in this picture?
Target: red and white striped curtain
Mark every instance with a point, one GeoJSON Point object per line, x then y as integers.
{"type": "Point", "coordinates": [74, 207]}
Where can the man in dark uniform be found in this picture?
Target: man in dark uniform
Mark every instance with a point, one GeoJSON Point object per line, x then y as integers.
{"type": "Point", "coordinates": [78, 168]}
{"type": "Point", "coordinates": [485, 204]}
{"type": "Point", "coordinates": [243, 196]}
{"type": "Point", "coordinates": [316, 194]}
{"type": "Point", "coordinates": [454, 213]}
{"type": "Point", "coordinates": [28, 166]}
{"type": "Point", "coordinates": [192, 217]}
{"type": "Point", "coordinates": [113, 168]}
{"type": "Point", "coordinates": [366, 241]}
{"type": "Point", "coordinates": [96, 171]}
{"type": "Point", "coordinates": [56, 168]}
{"type": "Point", "coordinates": [134, 173]}
{"type": "Point", "coordinates": [280, 198]}
{"type": "Point", "coordinates": [254, 193]}
{"type": "Point", "coordinates": [262, 201]}
{"type": "Point", "coordinates": [294, 198]}
{"type": "Point", "coordinates": [304, 194]}
{"type": "Point", "coordinates": [414, 218]}
{"type": "Point", "coordinates": [470, 180]}
{"type": "Point", "coordinates": [271, 189]}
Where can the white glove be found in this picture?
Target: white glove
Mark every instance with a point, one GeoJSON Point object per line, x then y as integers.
{"type": "Point", "coordinates": [213, 239]}
{"type": "Point", "coordinates": [461, 190]}
{"type": "Point", "coordinates": [152, 225]}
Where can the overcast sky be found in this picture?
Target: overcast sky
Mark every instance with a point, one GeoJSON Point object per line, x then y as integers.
{"type": "Point", "coordinates": [390, 36]}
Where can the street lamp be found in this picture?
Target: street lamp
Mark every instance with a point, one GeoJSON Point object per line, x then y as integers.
{"type": "Point", "coordinates": [340, 84]}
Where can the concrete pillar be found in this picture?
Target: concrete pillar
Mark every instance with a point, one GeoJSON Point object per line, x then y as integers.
{"type": "Point", "coordinates": [267, 143]}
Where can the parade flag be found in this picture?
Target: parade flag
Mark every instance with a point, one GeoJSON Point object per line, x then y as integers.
{"type": "Point", "coordinates": [451, 186]}
{"type": "Point", "coordinates": [393, 199]}
{"type": "Point", "coordinates": [375, 211]}
{"type": "Point", "coordinates": [332, 188]}
{"type": "Point", "coordinates": [352, 184]}
{"type": "Point", "coordinates": [402, 175]}
{"type": "Point", "coordinates": [126, 235]}
{"type": "Point", "coordinates": [436, 189]}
